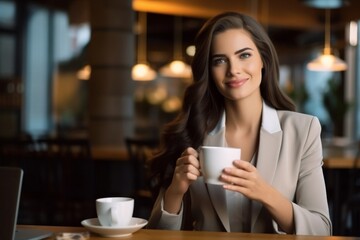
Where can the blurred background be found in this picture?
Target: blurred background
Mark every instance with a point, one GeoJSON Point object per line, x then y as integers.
{"type": "Point", "coordinates": [69, 79]}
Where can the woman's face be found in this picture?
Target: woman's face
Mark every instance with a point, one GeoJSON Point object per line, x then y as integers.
{"type": "Point", "coordinates": [236, 64]}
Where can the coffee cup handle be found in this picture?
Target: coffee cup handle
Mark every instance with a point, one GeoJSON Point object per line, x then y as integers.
{"type": "Point", "coordinates": [114, 215]}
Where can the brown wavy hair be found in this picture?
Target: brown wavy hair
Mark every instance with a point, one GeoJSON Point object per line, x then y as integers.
{"type": "Point", "coordinates": [203, 104]}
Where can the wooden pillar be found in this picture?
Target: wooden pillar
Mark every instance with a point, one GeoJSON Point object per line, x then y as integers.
{"type": "Point", "coordinates": [111, 56]}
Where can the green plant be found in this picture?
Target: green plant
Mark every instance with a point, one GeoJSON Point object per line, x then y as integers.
{"type": "Point", "coordinates": [336, 105]}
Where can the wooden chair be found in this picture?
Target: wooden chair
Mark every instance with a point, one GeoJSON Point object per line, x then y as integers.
{"type": "Point", "coordinates": [140, 152]}
{"type": "Point", "coordinates": [70, 179]}
{"type": "Point", "coordinates": [21, 152]}
{"type": "Point", "coordinates": [13, 151]}
{"type": "Point", "coordinates": [351, 207]}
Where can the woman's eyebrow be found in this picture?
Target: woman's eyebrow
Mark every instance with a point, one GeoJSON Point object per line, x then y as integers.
{"type": "Point", "coordinates": [242, 50]}
{"type": "Point", "coordinates": [236, 52]}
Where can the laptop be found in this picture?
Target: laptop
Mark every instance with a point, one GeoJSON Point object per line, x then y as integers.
{"type": "Point", "coordinates": [10, 191]}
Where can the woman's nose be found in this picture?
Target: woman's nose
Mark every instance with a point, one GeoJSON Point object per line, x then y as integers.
{"type": "Point", "coordinates": [233, 68]}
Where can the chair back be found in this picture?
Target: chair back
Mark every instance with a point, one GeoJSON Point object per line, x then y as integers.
{"type": "Point", "coordinates": [140, 152]}
{"type": "Point", "coordinates": [355, 173]}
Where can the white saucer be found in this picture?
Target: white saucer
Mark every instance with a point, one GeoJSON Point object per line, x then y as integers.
{"type": "Point", "coordinates": [93, 225]}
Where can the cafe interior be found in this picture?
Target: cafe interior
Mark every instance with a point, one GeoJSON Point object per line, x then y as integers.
{"type": "Point", "coordinates": [86, 87]}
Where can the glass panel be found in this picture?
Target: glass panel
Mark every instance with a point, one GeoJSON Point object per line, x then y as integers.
{"type": "Point", "coordinates": [37, 103]}
{"type": "Point", "coordinates": [7, 56]}
{"type": "Point", "coordinates": [7, 14]}
{"type": "Point", "coordinates": [316, 85]}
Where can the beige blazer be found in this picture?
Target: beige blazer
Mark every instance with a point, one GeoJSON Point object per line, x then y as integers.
{"type": "Point", "coordinates": [289, 158]}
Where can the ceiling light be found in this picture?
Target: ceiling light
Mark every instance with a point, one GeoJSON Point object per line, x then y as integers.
{"type": "Point", "coordinates": [326, 4]}
{"type": "Point", "coordinates": [190, 50]}
{"type": "Point", "coordinates": [177, 68]}
{"type": "Point", "coordinates": [84, 73]}
{"type": "Point", "coordinates": [327, 61]}
{"type": "Point", "coordinates": [142, 71]}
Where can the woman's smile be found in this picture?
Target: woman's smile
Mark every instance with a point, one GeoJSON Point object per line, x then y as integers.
{"type": "Point", "coordinates": [236, 82]}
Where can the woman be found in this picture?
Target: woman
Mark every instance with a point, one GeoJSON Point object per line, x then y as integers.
{"type": "Point", "coordinates": [235, 100]}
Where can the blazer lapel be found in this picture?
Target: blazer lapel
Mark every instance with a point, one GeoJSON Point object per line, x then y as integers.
{"type": "Point", "coordinates": [268, 152]}
{"type": "Point", "coordinates": [218, 199]}
{"type": "Point", "coordinates": [216, 192]}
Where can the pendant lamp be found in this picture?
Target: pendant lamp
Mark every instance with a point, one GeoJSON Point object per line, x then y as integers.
{"type": "Point", "coordinates": [84, 73]}
{"type": "Point", "coordinates": [142, 70]}
{"type": "Point", "coordinates": [177, 68]}
{"type": "Point", "coordinates": [327, 61]}
{"type": "Point", "coordinates": [326, 3]}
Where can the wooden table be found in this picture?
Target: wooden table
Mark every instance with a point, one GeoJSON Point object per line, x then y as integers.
{"type": "Point", "coordinates": [339, 157]}
{"type": "Point", "coordinates": [109, 153]}
{"type": "Point", "coordinates": [147, 234]}
{"type": "Point", "coordinates": [339, 162]}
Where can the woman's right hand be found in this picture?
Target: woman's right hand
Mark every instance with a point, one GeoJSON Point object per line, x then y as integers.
{"type": "Point", "coordinates": [186, 171]}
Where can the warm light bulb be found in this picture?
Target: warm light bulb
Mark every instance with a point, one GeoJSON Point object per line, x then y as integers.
{"type": "Point", "coordinates": [143, 72]}
{"type": "Point", "coordinates": [140, 70]}
{"type": "Point", "coordinates": [172, 104]}
{"type": "Point", "coordinates": [176, 69]}
{"type": "Point", "coordinates": [327, 60]}
{"type": "Point", "coordinates": [177, 66]}
{"type": "Point", "coordinates": [190, 50]}
{"type": "Point", "coordinates": [84, 73]}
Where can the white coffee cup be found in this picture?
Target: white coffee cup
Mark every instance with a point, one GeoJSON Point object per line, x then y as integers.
{"type": "Point", "coordinates": [114, 211]}
{"type": "Point", "coordinates": [213, 160]}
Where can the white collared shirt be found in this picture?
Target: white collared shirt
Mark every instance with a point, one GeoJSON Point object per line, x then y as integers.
{"type": "Point", "coordinates": [238, 207]}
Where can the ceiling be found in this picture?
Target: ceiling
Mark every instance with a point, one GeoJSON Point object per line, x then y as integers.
{"type": "Point", "coordinates": [293, 26]}
{"type": "Point", "coordinates": [280, 13]}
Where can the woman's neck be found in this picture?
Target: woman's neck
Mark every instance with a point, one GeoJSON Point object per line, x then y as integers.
{"type": "Point", "coordinates": [243, 121]}
{"type": "Point", "coordinates": [245, 115]}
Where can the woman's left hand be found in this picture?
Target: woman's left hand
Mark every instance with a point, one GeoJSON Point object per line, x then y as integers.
{"type": "Point", "coordinates": [244, 178]}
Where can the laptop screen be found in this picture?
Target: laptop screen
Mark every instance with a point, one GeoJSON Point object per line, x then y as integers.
{"type": "Point", "coordinates": [10, 188]}
{"type": "Point", "coordinates": [10, 192]}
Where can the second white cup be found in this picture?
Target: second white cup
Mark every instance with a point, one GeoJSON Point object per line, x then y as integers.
{"type": "Point", "coordinates": [213, 160]}
{"type": "Point", "coordinates": [115, 211]}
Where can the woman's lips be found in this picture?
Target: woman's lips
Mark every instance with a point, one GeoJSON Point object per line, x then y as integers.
{"type": "Point", "coordinates": [236, 83]}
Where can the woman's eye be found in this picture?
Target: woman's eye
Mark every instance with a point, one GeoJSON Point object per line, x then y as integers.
{"type": "Point", "coordinates": [218, 61]}
{"type": "Point", "coordinates": [245, 55]}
